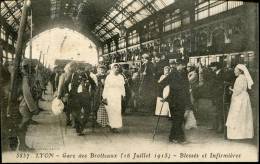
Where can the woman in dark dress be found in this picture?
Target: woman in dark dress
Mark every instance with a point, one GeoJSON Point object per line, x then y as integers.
{"type": "Point", "coordinates": [102, 118]}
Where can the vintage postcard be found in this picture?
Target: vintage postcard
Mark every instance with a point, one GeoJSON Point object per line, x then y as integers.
{"type": "Point", "coordinates": [129, 81]}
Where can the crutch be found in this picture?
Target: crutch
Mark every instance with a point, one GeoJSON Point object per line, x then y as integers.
{"type": "Point", "coordinates": [166, 92]}
{"type": "Point", "coordinates": [155, 130]}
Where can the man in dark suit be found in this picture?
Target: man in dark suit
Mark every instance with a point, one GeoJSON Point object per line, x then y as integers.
{"type": "Point", "coordinates": [146, 89]}
{"type": "Point", "coordinates": [159, 65]}
{"type": "Point", "coordinates": [217, 93]}
{"type": "Point", "coordinates": [179, 101]}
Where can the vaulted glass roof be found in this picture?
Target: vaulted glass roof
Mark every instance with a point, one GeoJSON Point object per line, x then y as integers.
{"type": "Point", "coordinates": [11, 12]}
{"type": "Point", "coordinates": [102, 17]}
{"type": "Point", "coordinates": [128, 13]}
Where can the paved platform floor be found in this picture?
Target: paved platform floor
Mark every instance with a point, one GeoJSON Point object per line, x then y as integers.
{"type": "Point", "coordinates": [53, 141]}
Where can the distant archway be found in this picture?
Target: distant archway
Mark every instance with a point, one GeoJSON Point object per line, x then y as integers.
{"type": "Point", "coordinates": [62, 43]}
{"type": "Point", "coordinates": [218, 41]}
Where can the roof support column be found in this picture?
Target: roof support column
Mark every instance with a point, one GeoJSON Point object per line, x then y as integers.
{"type": "Point", "coordinates": [12, 109]}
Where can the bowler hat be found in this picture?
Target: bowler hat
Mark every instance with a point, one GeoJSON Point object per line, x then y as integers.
{"type": "Point", "coordinates": [180, 61]}
{"type": "Point", "coordinates": [215, 64]}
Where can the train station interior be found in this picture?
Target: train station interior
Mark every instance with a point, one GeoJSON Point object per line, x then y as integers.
{"type": "Point", "coordinates": [49, 34]}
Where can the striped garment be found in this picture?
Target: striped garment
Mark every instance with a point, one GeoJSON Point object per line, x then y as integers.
{"type": "Point", "coordinates": [102, 117]}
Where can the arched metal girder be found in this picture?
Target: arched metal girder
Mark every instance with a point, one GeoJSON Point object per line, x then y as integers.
{"type": "Point", "coordinates": [112, 21]}
{"type": "Point", "coordinates": [126, 13]}
{"type": "Point", "coordinates": [149, 7]}
{"type": "Point", "coordinates": [108, 17]}
{"type": "Point", "coordinates": [117, 13]}
{"type": "Point", "coordinates": [108, 31]}
{"type": "Point", "coordinates": [19, 5]}
{"type": "Point", "coordinates": [11, 12]}
{"type": "Point", "coordinates": [132, 14]}
{"type": "Point", "coordinates": [102, 36]}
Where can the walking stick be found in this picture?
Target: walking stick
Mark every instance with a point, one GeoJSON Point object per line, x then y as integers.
{"type": "Point", "coordinates": [166, 92]}
{"type": "Point", "coordinates": [62, 135]}
{"type": "Point", "coordinates": [224, 109]}
{"type": "Point", "coordinates": [93, 114]}
{"type": "Point", "coordinates": [154, 132]}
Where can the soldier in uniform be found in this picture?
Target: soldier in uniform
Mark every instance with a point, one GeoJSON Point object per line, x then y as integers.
{"type": "Point", "coordinates": [52, 78]}
{"type": "Point", "coordinates": [63, 89]}
{"type": "Point", "coordinates": [37, 83]}
{"type": "Point", "coordinates": [5, 78]}
{"type": "Point", "coordinates": [82, 101]}
{"type": "Point", "coordinates": [27, 106]}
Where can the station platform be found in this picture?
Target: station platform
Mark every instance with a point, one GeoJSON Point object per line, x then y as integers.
{"type": "Point", "coordinates": [54, 142]}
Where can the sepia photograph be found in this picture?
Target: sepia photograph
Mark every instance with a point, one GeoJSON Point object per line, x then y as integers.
{"type": "Point", "coordinates": [129, 81]}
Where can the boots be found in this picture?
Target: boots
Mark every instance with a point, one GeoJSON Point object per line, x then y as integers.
{"type": "Point", "coordinates": [220, 128]}
{"type": "Point", "coordinates": [33, 122]}
{"type": "Point", "coordinates": [13, 143]}
{"type": "Point", "coordinates": [114, 130]}
{"type": "Point", "coordinates": [23, 146]}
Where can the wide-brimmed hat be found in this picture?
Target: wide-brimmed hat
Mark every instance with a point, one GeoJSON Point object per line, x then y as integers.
{"type": "Point", "coordinates": [146, 56]}
{"type": "Point", "coordinates": [190, 65]}
{"type": "Point", "coordinates": [172, 61]}
{"type": "Point", "coordinates": [101, 66]}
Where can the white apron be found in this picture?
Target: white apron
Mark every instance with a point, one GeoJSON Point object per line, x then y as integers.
{"type": "Point", "coordinates": [240, 119]}
{"type": "Point", "coordinates": [162, 107]}
{"type": "Point", "coordinates": [114, 89]}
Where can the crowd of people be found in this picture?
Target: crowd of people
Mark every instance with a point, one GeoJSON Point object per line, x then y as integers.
{"type": "Point", "coordinates": [196, 89]}
{"type": "Point", "coordinates": [32, 81]}
{"type": "Point", "coordinates": [102, 95]}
